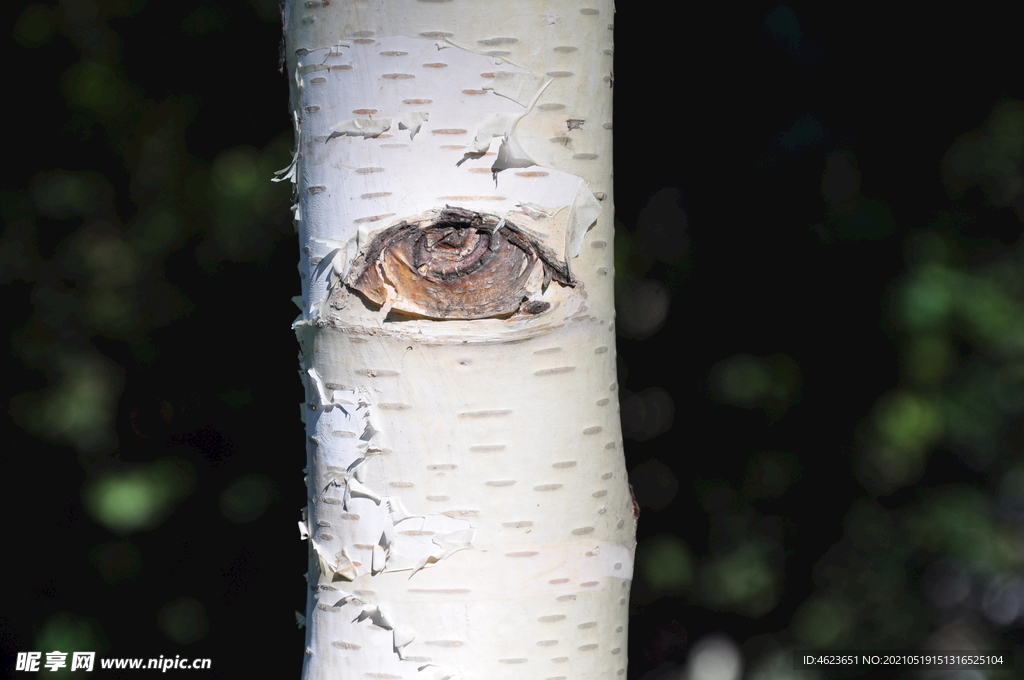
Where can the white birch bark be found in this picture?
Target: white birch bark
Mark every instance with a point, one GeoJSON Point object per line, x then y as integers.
{"type": "Point", "coordinates": [468, 508]}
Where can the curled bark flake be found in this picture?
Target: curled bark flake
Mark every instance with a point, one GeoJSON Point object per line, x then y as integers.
{"type": "Point", "coordinates": [534, 307]}
{"type": "Point", "coordinates": [458, 265]}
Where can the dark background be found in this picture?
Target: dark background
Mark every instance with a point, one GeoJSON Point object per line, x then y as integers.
{"type": "Point", "coordinates": [821, 327]}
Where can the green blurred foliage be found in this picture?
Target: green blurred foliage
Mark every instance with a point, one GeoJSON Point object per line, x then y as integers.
{"type": "Point", "coordinates": [66, 631]}
{"type": "Point", "coordinates": [116, 561]}
{"type": "Point", "coordinates": [183, 620]}
{"type": "Point", "coordinates": [823, 622]}
{"type": "Point", "coordinates": [769, 474]}
{"type": "Point", "coordinates": [930, 554]}
{"type": "Point", "coordinates": [770, 383]}
{"type": "Point", "coordinates": [138, 497]}
{"type": "Point", "coordinates": [247, 498]}
{"type": "Point", "coordinates": [135, 210]}
{"type": "Point", "coordinates": [743, 578]}
{"type": "Point", "coordinates": [96, 257]}
{"type": "Point", "coordinates": [667, 563]}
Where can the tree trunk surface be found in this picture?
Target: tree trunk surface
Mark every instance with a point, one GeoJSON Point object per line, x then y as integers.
{"type": "Point", "coordinates": [468, 510]}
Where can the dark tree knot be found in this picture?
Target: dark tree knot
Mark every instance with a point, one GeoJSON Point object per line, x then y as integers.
{"type": "Point", "coordinates": [459, 265]}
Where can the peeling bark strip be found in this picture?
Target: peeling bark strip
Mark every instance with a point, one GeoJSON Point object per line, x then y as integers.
{"type": "Point", "coordinates": [467, 516]}
{"type": "Point", "coordinates": [461, 265]}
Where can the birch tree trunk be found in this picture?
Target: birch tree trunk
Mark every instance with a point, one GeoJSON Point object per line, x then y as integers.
{"type": "Point", "coordinates": [468, 510]}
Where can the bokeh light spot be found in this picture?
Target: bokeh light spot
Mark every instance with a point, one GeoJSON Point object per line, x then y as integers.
{"type": "Point", "coordinates": [741, 579]}
{"type": "Point", "coordinates": [927, 299]}
{"type": "Point", "coordinates": [714, 657]}
{"type": "Point", "coordinates": [183, 620]}
{"type": "Point", "coordinates": [769, 474]}
{"type": "Point", "coordinates": [246, 498]}
{"type": "Point", "coordinates": [908, 420]}
{"type": "Point", "coordinates": [68, 632]}
{"type": "Point", "coordinates": [95, 86]}
{"type": "Point", "coordinates": [647, 414]}
{"type": "Point", "coordinates": [742, 380]}
{"type": "Point", "coordinates": [116, 561]}
{"type": "Point", "coordinates": [140, 497]}
{"type": "Point", "coordinates": [822, 621]}
{"type": "Point", "coordinates": [654, 484]}
{"type": "Point", "coordinates": [79, 408]}
{"type": "Point", "coordinates": [770, 383]}
{"type": "Point", "coordinates": [65, 194]}
{"type": "Point", "coordinates": [34, 27]}
{"type": "Point", "coordinates": [642, 306]}
{"type": "Point", "coordinates": [666, 563]}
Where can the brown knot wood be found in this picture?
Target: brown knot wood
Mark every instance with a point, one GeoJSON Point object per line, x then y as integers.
{"type": "Point", "coordinates": [460, 265]}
